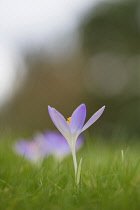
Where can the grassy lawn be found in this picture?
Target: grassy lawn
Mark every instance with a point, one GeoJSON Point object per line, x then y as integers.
{"type": "Point", "coordinates": [107, 182]}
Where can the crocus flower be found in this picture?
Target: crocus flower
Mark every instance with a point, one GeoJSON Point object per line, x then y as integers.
{"type": "Point", "coordinates": [33, 150]}
{"type": "Point", "coordinates": [44, 144]}
{"type": "Point", "coordinates": [73, 127]}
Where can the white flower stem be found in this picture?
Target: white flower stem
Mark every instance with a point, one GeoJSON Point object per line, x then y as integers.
{"type": "Point", "coordinates": [122, 154]}
{"type": "Point", "coordinates": [74, 161]}
{"type": "Point", "coordinates": [79, 172]}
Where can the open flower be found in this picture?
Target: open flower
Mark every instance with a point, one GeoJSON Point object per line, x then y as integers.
{"type": "Point", "coordinates": [44, 144]}
{"type": "Point", "coordinates": [73, 126]}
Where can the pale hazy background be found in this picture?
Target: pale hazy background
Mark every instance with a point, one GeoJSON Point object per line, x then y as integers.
{"type": "Point", "coordinates": [27, 25]}
{"type": "Point", "coordinates": [64, 53]}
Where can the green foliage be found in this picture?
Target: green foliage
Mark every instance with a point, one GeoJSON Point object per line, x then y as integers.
{"type": "Point", "coordinates": [107, 182]}
{"type": "Point", "coordinates": [112, 26]}
{"type": "Point", "coordinates": [111, 41]}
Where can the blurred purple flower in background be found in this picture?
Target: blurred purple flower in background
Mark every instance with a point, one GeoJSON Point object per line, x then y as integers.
{"type": "Point", "coordinates": [33, 150]}
{"type": "Point", "coordinates": [58, 146]}
{"type": "Point", "coordinates": [44, 144]}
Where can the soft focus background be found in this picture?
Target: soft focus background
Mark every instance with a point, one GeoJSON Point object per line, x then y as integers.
{"type": "Point", "coordinates": [63, 53]}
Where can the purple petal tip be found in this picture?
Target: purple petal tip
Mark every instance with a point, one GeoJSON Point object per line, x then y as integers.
{"type": "Point", "coordinates": [49, 109]}
{"type": "Point", "coordinates": [103, 108]}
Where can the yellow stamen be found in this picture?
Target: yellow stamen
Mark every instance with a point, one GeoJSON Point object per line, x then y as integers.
{"type": "Point", "coordinates": [68, 120]}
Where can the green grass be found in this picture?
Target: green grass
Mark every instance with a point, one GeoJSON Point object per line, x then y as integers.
{"type": "Point", "coordinates": [107, 182]}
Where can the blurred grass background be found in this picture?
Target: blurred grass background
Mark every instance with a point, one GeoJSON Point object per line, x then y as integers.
{"type": "Point", "coordinates": [107, 180]}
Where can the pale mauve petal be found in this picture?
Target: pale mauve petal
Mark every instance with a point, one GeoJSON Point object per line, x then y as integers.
{"type": "Point", "coordinates": [77, 119]}
{"type": "Point", "coordinates": [93, 118]}
{"type": "Point", "coordinates": [57, 145]}
{"type": "Point", "coordinates": [60, 122]}
{"type": "Point", "coordinates": [29, 149]}
{"type": "Point", "coordinates": [21, 147]}
{"type": "Point", "coordinates": [34, 150]}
